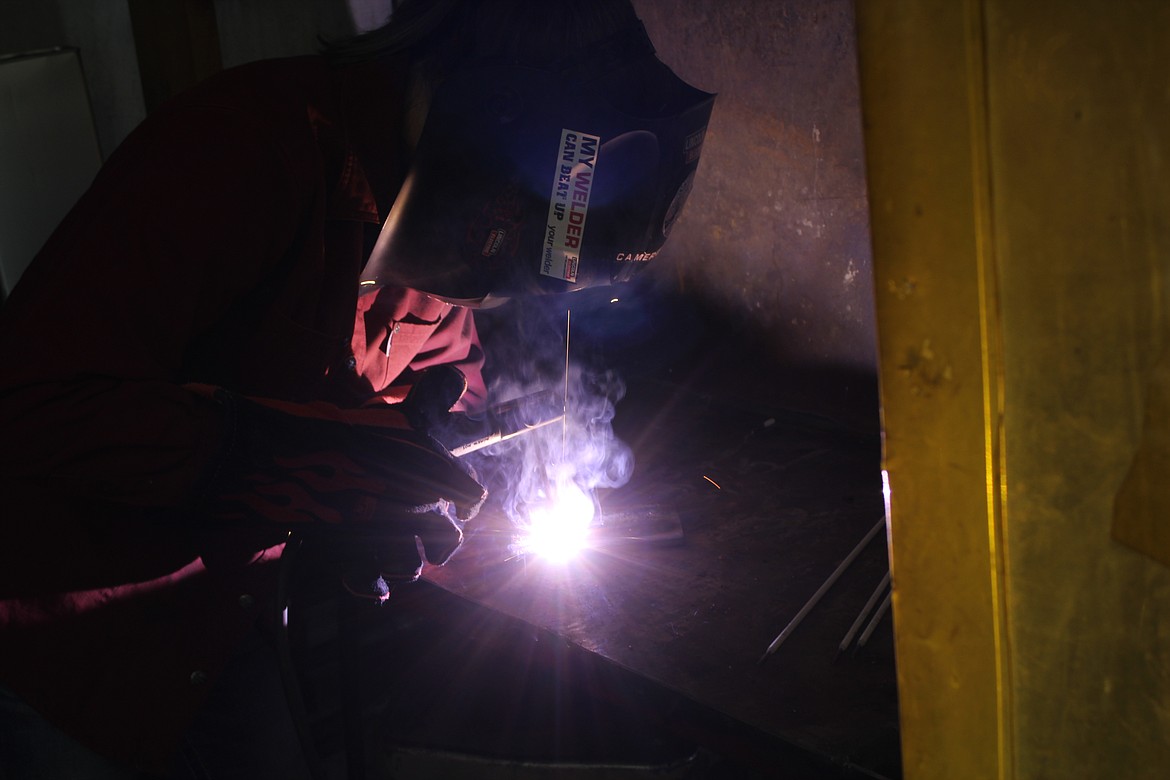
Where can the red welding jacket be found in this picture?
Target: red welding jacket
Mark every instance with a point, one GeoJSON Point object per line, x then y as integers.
{"type": "Point", "coordinates": [221, 244]}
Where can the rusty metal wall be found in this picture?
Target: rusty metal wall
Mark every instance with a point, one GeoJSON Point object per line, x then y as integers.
{"type": "Point", "coordinates": [101, 33]}
{"type": "Point", "coordinates": [777, 229]}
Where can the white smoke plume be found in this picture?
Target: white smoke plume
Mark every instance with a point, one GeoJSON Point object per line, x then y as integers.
{"type": "Point", "coordinates": [581, 451]}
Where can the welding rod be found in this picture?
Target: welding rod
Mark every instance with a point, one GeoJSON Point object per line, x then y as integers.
{"type": "Point", "coordinates": [864, 612]}
{"type": "Point", "coordinates": [877, 618]}
{"type": "Point", "coordinates": [812, 602]}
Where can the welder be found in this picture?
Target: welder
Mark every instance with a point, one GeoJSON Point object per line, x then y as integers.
{"type": "Point", "coordinates": [219, 343]}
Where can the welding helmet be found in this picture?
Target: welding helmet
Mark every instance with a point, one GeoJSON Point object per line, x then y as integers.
{"type": "Point", "coordinates": [530, 180]}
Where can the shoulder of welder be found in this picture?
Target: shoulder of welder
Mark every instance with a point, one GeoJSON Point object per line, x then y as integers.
{"type": "Point", "coordinates": [291, 104]}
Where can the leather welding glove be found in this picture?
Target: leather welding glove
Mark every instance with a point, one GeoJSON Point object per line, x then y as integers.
{"type": "Point", "coordinates": [367, 476]}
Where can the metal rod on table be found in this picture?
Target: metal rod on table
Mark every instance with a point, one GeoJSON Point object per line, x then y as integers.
{"type": "Point", "coordinates": [873, 599]}
{"type": "Point", "coordinates": [877, 618]}
{"type": "Point", "coordinates": [812, 602]}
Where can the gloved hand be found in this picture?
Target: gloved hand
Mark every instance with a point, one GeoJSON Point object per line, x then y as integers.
{"type": "Point", "coordinates": [383, 486]}
{"type": "Point", "coordinates": [428, 404]}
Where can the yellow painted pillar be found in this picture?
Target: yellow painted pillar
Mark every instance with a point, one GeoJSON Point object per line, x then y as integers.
{"type": "Point", "coordinates": [1019, 170]}
{"type": "Point", "coordinates": [926, 148]}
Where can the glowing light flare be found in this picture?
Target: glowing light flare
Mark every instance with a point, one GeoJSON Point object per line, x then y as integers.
{"type": "Point", "coordinates": [558, 529]}
{"type": "Point", "coordinates": [886, 492]}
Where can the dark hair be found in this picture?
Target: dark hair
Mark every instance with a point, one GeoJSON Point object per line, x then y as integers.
{"type": "Point", "coordinates": [441, 34]}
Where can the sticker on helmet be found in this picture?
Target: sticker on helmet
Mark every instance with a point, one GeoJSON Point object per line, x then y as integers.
{"type": "Point", "coordinates": [495, 240]}
{"type": "Point", "coordinates": [693, 145]}
{"type": "Point", "coordinates": [568, 204]}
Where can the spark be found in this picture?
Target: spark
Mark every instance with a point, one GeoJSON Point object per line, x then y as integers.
{"type": "Point", "coordinates": [713, 482]}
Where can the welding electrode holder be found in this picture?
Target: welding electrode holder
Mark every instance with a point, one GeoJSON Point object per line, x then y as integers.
{"type": "Point", "coordinates": [427, 408]}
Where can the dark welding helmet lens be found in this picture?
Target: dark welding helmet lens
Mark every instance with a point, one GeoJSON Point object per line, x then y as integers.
{"type": "Point", "coordinates": [529, 181]}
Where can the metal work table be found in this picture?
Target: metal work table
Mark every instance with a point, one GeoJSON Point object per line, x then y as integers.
{"type": "Point", "coordinates": [769, 503]}
{"type": "Point", "coordinates": [647, 653]}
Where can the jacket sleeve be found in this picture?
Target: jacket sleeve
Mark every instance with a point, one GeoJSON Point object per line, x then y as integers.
{"type": "Point", "coordinates": [186, 217]}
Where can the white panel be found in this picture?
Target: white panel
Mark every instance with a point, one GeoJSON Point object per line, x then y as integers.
{"type": "Point", "coordinates": [369, 14]}
{"type": "Point", "coordinates": [48, 152]}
